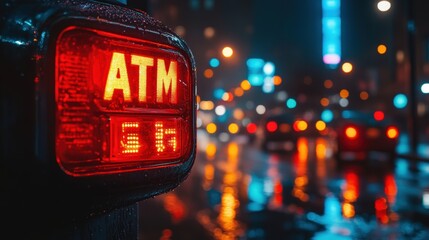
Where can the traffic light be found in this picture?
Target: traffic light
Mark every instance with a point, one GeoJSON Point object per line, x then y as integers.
{"type": "Point", "coordinates": [98, 106]}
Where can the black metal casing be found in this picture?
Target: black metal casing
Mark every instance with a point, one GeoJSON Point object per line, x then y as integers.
{"type": "Point", "coordinates": [31, 180]}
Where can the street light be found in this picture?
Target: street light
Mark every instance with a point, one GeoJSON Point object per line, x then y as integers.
{"type": "Point", "coordinates": [383, 6]}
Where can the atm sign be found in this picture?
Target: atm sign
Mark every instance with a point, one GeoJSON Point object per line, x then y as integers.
{"type": "Point", "coordinates": [121, 100]}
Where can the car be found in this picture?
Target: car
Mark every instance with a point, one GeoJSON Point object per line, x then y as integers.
{"type": "Point", "coordinates": [362, 132]}
{"type": "Point", "coordinates": [279, 132]}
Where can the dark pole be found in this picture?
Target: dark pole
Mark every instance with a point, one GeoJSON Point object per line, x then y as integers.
{"type": "Point", "coordinates": [412, 121]}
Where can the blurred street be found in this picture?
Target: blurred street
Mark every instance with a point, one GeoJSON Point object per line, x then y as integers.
{"type": "Point", "coordinates": [237, 191]}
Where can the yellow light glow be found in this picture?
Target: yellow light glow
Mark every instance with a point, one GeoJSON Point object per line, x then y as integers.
{"type": "Point", "coordinates": [381, 49]}
{"type": "Point", "coordinates": [320, 125]}
{"type": "Point", "coordinates": [347, 67]}
{"type": "Point", "coordinates": [209, 172]}
{"type": "Point", "coordinates": [227, 97]}
{"type": "Point", "coordinates": [130, 139]}
{"type": "Point", "coordinates": [227, 52]}
{"type": "Point", "coordinates": [302, 146]}
{"type": "Point", "coordinates": [392, 133]}
{"type": "Point", "coordinates": [233, 151]}
{"type": "Point", "coordinates": [348, 210]}
{"type": "Point", "coordinates": [211, 150]}
{"type": "Point", "coordinates": [233, 128]}
{"type": "Point", "coordinates": [211, 128]}
{"type": "Point", "coordinates": [166, 81]}
{"type": "Point", "coordinates": [143, 63]}
{"type": "Point", "coordinates": [351, 132]}
{"type": "Point", "coordinates": [117, 78]}
{"type": "Point", "coordinates": [320, 149]}
{"type": "Point", "coordinates": [206, 105]}
{"type": "Point", "coordinates": [302, 125]}
{"type": "Point", "coordinates": [164, 136]}
{"type": "Point", "coordinates": [344, 93]}
{"type": "Point", "coordinates": [245, 85]}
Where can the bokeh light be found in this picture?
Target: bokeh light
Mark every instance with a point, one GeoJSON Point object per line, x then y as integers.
{"type": "Point", "coordinates": [291, 103]}
{"type": "Point", "coordinates": [227, 52]}
{"type": "Point", "coordinates": [384, 6]}
{"type": "Point", "coordinates": [381, 49]}
{"type": "Point", "coordinates": [214, 62]}
{"type": "Point", "coordinates": [347, 67]}
{"type": "Point", "coordinates": [400, 101]}
{"type": "Point", "coordinates": [211, 128]}
{"type": "Point", "coordinates": [328, 84]}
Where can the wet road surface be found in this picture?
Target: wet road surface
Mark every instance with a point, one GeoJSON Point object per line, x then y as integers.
{"type": "Point", "coordinates": [237, 191]}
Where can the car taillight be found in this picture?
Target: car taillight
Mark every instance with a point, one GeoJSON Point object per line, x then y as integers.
{"type": "Point", "coordinates": [379, 115]}
{"type": "Point", "coordinates": [271, 126]}
{"type": "Point", "coordinates": [300, 125]}
{"type": "Point", "coordinates": [122, 104]}
{"type": "Point", "coordinates": [251, 128]}
{"type": "Point", "coordinates": [392, 132]}
{"type": "Point", "coordinates": [351, 132]}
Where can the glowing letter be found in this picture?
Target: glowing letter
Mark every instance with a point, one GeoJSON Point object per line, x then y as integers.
{"type": "Point", "coordinates": [166, 80]}
{"type": "Point", "coordinates": [143, 63]}
{"type": "Point", "coordinates": [165, 137]}
{"type": "Point", "coordinates": [130, 137]}
{"type": "Point", "coordinates": [117, 78]}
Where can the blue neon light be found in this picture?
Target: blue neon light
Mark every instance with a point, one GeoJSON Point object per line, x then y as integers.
{"type": "Point", "coordinates": [214, 62]}
{"type": "Point", "coordinates": [400, 100]}
{"type": "Point", "coordinates": [331, 29]}
{"type": "Point", "coordinates": [255, 71]}
{"type": "Point", "coordinates": [291, 103]}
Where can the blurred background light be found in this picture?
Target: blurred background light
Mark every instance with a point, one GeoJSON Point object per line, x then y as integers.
{"type": "Point", "coordinates": [220, 110]}
{"type": "Point", "coordinates": [211, 128]}
{"type": "Point", "coordinates": [260, 109]}
{"type": "Point", "coordinates": [347, 67]}
{"type": "Point", "coordinates": [218, 93]}
{"type": "Point", "coordinates": [269, 68]}
{"type": "Point", "coordinates": [255, 71]}
{"type": "Point", "coordinates": [363, 95]}
{"type": "Point", "coordinates": [344, 102]}
{"type": "Point", "coordinates": [227, 52]}
{"type": "Point", "coordinates": [400, 101]}
{"type": "Point", "coordinates": [331, 30]}
{"type": "Point", "coordinates": [425, 88]}
{"type": "Point", "coordinates": [383, 6]}
{"type": "Point", "coordinates": [214, 62]}
{"type": "Point", "coordinates": [208, 73]}
{"type": "Point", "coordinates": [328, 84]}
{"type": "Point", "coordinates": [381, 49]}
{"type": "Point", "coordinates": [291, 103]}
{"type": "Point", "coordinates": [209, 32]}
{"type": "Point", "coordinates": [327, 115]}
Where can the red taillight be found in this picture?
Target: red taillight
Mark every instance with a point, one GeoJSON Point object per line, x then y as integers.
{"type": "Point", "coordinates": [351, 132]}
{"type": "Point", "coordinates": [122, 104]}
{"type": "Point", "coordinates": [271, 126]}
{"type": "Point", "coordinates": [379, 115]}
{"type": "Point", "coordinates": [392, 132]}
{"type": "Point", "coordinates": [251, 128]}
{"type": "Point", "coordinates": [300, 125]}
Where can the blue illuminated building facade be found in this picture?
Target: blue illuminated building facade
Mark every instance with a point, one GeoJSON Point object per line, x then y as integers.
{"type": "Point", "coordinates": [331, 29]}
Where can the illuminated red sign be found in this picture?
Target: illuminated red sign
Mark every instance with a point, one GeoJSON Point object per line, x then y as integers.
{"type": "Point", "coordinates": [123, 103]}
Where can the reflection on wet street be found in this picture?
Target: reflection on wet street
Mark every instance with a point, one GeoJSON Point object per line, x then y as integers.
{"type": "Point", "coordinates": [237, 191]}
